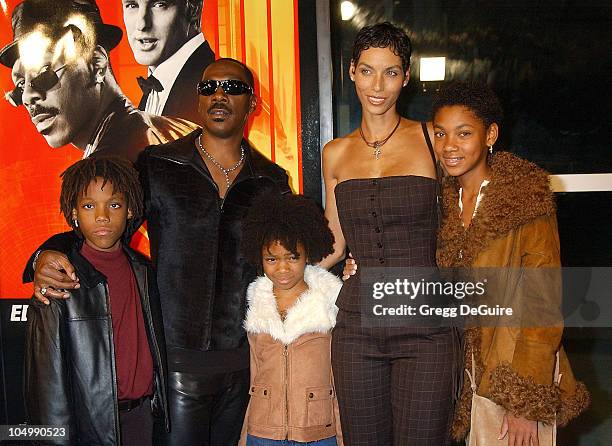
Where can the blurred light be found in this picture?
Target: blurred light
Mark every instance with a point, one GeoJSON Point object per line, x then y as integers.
{"type": "Point", "coordinates": [347, 9]}
{"type": "Point", "coordinates": [432, 69]}
{"type": "Point", "coordinates": [65, 47]}
{"type": "Point", "coordinates": [80, 21]}
{"type": "Point", "coordinates": [88, 32]}
{"type": "Point", "coordinates": [33, 49]}
{"type": "Point", "coordinates": [3, 5]}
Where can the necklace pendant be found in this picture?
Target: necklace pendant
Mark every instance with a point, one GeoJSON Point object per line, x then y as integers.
{"type": "Point", "coordinates": [377, 151]}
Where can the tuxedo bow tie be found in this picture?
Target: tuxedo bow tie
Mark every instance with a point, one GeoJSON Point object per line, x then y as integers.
{"type": "Point", "coordinates": [149, 84]}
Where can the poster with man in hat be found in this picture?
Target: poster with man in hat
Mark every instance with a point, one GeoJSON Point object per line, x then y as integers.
{"type": "Point", "coordinates": [60, 66]}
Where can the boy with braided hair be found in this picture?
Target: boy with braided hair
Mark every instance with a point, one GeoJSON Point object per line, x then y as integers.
{"type": "Point", "coordinates": [96, 363]}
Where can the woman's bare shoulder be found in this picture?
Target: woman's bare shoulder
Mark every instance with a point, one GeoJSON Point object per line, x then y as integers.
{"type": "Point", "coordinates": [415, 127]}
{"type": "Point", "coordinates": [338, 146]}
{"type": "Point", "coordinates": [412, 132]}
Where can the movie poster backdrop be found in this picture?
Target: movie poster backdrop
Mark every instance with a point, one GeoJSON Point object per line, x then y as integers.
{"type": "Point", "coordinates": [261, 33]}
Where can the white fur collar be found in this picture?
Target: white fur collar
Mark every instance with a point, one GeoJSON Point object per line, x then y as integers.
{"type": "Point", "coordinates": [313, 312]}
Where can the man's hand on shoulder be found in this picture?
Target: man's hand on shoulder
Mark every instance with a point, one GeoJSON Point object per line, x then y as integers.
{"type": "Point", "coordinates": [53, 276]}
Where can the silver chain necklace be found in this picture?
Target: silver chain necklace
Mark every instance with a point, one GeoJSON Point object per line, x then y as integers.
{"type": "Point", "coordinates": [218, 164]}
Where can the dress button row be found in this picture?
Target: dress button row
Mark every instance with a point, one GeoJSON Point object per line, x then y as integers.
{"type": "Point", "coordinates": [373, 214]}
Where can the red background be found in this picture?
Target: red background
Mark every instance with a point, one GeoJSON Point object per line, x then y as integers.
{"type": "Point", "coordinates": [29, 176]}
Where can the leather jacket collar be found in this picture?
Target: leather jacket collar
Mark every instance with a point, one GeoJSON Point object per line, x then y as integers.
{"type": "Point", "coordinates": [182, 151]}
{"type": "Point", "coordinates": [87, 274]}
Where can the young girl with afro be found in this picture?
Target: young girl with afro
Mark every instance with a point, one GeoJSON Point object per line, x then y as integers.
{"type": "Point", "coordinates": [289, 321]}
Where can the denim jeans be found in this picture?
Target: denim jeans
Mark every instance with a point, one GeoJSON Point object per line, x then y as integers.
{"type": "Point", "coordinates": [256, 441]}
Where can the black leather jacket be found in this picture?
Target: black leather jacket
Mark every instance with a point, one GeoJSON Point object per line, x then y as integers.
{"type": "Point", "coordinates": [195, 244]}
{"type": "Point", "coordinates": [69, 374]}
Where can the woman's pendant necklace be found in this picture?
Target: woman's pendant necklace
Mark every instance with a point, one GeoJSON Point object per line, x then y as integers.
{"type": "Point", "coordinates": [376, 145]}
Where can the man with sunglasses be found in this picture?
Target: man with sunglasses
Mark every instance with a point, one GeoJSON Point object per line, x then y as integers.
{"type": "Point", "coordinates": [165, 35]}
{"type": "Point", "coordinates": [62, 75]}
{"type": "Point", "coordinates": [197, 191]}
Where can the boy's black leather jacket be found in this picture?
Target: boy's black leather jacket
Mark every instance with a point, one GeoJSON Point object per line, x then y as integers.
{"type": "Point", "coordinates": [195, 238]}
{"type": "Point", "coordinates": [70, 375]}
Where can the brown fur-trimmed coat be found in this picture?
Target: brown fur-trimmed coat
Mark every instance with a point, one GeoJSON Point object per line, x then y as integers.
{"type": "Point", "coordinates": [515, 227]}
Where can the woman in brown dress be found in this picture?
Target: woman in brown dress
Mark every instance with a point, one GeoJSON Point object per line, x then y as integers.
{"type": "Point", "coordinates": [394, 384]}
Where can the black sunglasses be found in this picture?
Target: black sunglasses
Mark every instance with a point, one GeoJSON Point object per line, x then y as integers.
{"type": "Point", "coordinates": [43, 81]}
{"type": "Point", "coordinates": [229, 86]}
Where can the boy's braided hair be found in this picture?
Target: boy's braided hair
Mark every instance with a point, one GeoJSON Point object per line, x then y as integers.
{"type": "Point", "coordinates": [117, 171]}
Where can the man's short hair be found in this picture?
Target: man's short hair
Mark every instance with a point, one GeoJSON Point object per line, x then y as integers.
{"type": "Point", "coordinates": [247, 70]}
{"type": "Point", "coordinates": [383, 35]}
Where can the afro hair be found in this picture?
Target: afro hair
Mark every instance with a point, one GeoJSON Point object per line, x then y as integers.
{"type": "Point", "coordinates": [288, 219]}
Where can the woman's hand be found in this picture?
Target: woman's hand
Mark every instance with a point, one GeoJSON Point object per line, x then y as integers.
{"type": "Point", "coordinates": [520, 431]}
{"type": "Point", "coordinates": [350, 267]}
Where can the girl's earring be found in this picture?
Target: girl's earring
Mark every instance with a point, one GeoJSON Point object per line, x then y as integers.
{"type": "Point", "coordinates": [76, 222]}
{"type": "Point", "coordinates": [491, 149]}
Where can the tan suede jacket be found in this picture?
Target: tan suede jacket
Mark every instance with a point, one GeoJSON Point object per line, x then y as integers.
{"type": "Point", "coordinates": [514, 229]}
{"type": "Point", "coordinates": [292, 390]}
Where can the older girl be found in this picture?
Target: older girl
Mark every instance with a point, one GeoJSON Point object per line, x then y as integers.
{"type": "Point", "coordinates": [500, 213]}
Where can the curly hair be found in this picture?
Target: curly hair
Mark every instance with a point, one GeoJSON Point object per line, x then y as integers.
{"type": "Point", "coordinates": [475, 96]}
{"type": "Point", "coordinates": [289, 219]}
{"type": "Point", "coordinates": [117, 171]}
{"type": "Point", "coordinates": [383, 35]}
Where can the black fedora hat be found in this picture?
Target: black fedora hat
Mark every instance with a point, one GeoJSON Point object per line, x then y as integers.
{"type": "Point", "coordinates": [31, 14]}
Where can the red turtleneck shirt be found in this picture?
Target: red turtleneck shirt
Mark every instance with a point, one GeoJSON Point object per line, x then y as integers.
{"type": "Point", "coordinates": [132, 352]}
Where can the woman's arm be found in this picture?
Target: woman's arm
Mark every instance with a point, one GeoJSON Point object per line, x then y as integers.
{"type": "Point", "coordinates": [330, 157]}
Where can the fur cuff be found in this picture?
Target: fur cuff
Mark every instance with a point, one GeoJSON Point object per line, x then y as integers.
{"type": "Point", "coordinates": [573, 405]}
{"type": "Point", "coordinates": [522, 396]}
{"type": "Point", "coordinates": [463, 410]}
